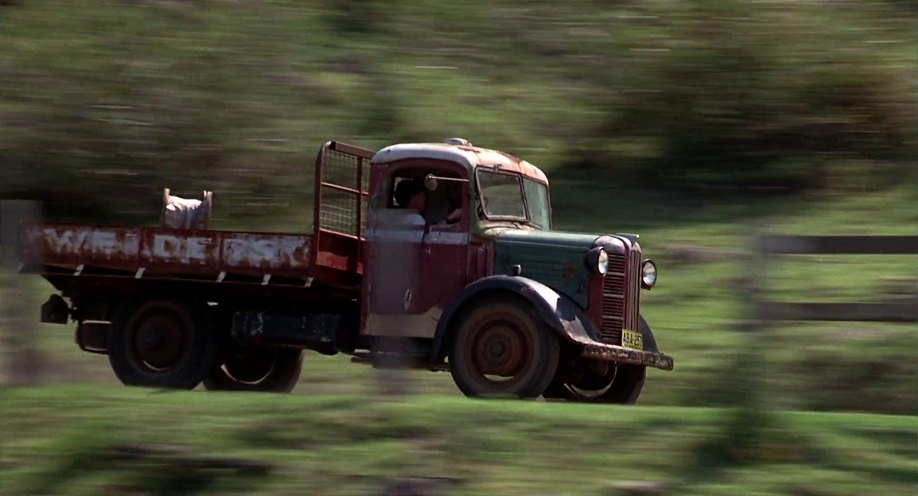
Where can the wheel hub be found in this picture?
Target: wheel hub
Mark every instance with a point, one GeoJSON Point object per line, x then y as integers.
{"type": "Point", "coordinates": [159, 342]}
{"type": "Point", "coordinates": [150, 340]}
{"type": "Point", "coordinates": [500, 351]}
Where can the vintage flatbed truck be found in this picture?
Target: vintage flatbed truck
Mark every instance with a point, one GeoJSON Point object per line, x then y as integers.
{"type": "Point", "coordinates": [494, 295]}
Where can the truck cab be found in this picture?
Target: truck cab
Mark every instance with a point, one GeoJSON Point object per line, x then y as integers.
{"type": "Point", "coordinates": [474, 274]}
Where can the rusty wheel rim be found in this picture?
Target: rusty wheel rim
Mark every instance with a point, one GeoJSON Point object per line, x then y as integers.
{"type": "Point", "coordinates": [498, 351]}
{"type": "Point", "coordinates": [597, 381]}
{"type": "Point", "coordinates": [252, 367]}
{"type": "Point", "coordinates": [160, 341]}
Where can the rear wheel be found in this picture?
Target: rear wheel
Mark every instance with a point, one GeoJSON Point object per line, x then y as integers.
{"type": "Point", "coordinates": [258, 369]}
{"type": "Point", "coordinates": [161, 343]}
{"type": "Point", "coordinates": [502, 348]}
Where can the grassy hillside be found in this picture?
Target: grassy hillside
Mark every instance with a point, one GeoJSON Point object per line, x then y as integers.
{"type": "Point", "coordinates": [103, 440]}
{"type": "Point", "coordinates": [105, 104]}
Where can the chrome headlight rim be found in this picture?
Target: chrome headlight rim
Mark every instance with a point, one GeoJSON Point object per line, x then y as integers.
{"type": "Point", "coordinates": [597, 260]}
{"type": "Point", "coordinates": [648, 274]}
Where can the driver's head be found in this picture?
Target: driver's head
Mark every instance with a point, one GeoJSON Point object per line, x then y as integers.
{"type": "Point", "coordinates": [410, 194]}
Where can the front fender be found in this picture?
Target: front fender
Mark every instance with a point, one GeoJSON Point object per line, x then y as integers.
{"type": "Point", "coordinates": [556, 310]}
{"type": "Point", "coordinates": [650, 342]}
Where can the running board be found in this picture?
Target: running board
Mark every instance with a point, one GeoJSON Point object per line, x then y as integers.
{"type": "Point", "coordinates": [397, 361]}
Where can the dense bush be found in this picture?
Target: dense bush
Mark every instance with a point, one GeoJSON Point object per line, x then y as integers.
{"type": "Point", "coordinates": [762, 100]}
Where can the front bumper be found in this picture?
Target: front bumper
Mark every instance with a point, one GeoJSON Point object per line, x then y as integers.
{"type": "Point", "coordinates": [620, 354]}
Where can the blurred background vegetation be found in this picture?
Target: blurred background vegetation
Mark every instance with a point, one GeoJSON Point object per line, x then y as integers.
{"type": "Point", "coordinates": [106, 103]}
{"type": "Point", "coordinates": [685, 121]}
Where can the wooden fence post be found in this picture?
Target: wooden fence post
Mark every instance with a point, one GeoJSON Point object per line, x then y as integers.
{"type": "Point", "coordinates": [20, 361]}
{"type": "Point", "coordinates": [750, 418]}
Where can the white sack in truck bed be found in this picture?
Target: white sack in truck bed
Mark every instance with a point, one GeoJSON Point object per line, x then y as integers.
{"type": "Point", "coordinates": [185, 213]}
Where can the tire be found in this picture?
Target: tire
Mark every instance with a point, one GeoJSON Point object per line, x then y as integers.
{"type": "Point", "coordinates": [502, 348]}
{"type": "Point", "coordinates": [161, 343]}
{"type": "Point", "coordinates": [621, 384]}
{"type": "Point", "coordinates": [274, 370]}
{"type": "Point", "coordinates": [591, 381]}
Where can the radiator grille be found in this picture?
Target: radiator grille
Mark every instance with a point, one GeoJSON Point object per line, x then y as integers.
{"type": "Point", "coordinates": [617, 312]}
{"type": "Point", "coordinates": [613, 300]}
{"type": "Point", "coordinates": [634, 276]}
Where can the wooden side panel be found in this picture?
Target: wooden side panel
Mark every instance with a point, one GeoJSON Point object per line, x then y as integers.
{"type": "Point", "coordinates": [170, 250]}
{"type": "Point", "coordinates": [196, 251]}
{"type": "Point", "coordinates": [74, 245]}
{"type": "Point", "coordinates": [268, 252]}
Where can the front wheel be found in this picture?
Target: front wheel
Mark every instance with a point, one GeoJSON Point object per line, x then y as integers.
{"type": "Point", "coordinates": [258, 369]}
{"type": "Point", "coordinates": [502, 348]}
{"type": "Point", "coordinates": [601, 382]}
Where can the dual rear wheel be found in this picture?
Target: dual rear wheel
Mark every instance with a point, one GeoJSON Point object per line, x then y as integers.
{"type": "Point", "coordinates": [167, 343]}
{"type": "Point", "coordinates": [161, 343]}
{"type": "Point", "coordinates": [257, 369]}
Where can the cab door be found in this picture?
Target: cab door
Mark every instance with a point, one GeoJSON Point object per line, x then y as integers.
{"type": "Point", "coordinates": [443, 263]}
{"type": "Point", "coordinates": [393, 249]}
{"type": "Point", "coordinates": [413, 265]}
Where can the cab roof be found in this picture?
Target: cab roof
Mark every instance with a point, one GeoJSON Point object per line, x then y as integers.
{"type": "Point", "coordinates": [465, 154]}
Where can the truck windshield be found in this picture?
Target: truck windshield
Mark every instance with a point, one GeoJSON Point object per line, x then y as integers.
{"type": "Point", "coordinates": [502, 197]}
{"type": "Point", "coordinates": [537, 199]}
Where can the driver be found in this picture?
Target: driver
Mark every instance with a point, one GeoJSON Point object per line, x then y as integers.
{"type": "Point", "coordinates": [410, 194]}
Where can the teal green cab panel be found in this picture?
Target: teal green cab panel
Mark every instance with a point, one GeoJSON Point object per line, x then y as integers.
{"type": "Point", "coordinates": [552, 258]}
{"type": "Point", "coordinates": [545, 238]}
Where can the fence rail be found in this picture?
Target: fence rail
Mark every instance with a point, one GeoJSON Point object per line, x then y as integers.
{"type": "Point", "coordinates": [898, 310]}
{"type": "Point", "coordinates": [839, 245]}
{"type": "Point", "coordinates": [904, 311]}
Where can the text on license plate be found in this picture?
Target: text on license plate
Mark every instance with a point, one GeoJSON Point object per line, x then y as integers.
{"type": "Point", "coordinates": [632, 339]}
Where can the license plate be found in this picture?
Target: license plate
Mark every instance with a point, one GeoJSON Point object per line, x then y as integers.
{"type": "Point", "coordinates": [632, 339]}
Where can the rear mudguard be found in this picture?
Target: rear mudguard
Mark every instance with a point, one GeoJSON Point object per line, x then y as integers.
{"type": "Point", "coordinates": [560, 314]}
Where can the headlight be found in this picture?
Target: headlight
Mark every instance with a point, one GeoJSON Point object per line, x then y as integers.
{"type": "Point", "coordinates": [648, 274]}
{"type": "Point", "coordinates": [597, 261]}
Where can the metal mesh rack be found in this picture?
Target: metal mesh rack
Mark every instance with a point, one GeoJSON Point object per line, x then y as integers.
{"type": "Point", "coordinates": [344, 185]}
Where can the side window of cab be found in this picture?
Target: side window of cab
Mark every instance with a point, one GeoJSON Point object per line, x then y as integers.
{"type": "Point", "coordinates": [440, 203]}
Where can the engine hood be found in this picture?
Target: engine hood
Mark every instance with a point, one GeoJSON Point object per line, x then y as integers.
{"type": "Point", "coordinates": [545, 238]}
{"type": "Point", "coordinates": [556, 259]}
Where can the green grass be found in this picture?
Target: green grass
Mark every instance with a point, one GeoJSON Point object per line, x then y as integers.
{"type": "Point", "coordinates": [65, 440]}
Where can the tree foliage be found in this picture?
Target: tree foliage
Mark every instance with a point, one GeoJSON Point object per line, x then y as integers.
{"type": "Point", "coordinates": [105, 104]}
